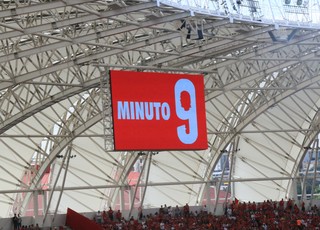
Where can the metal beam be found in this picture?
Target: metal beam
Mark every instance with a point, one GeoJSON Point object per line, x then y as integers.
{"type": "Point", "coordinates": [156, 68]}
{"type": "Point", "coordinates": [152, 184]}
{"type": "Point", "coordinates": [15, 119]}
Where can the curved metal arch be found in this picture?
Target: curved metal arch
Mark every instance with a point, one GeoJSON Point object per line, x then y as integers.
{"type": "Point", "coordinates": [69, 21]}
{"type": "Point", "coordinates": [309, 138]}
{"type": "Point", "coordinates": [23, 78]}
{"type": "Point", "coordinates": [82, 40]}
{"type": "Point", "coordinates": [260, 74]}
{"type": "Point", "coordinates": [238, 82]}
{"type": "Point", "coordinates": [56, 150]}
{"type": "Point", "coordinates": [227, 86]}
{"type": "Point", "coordinates": [47, 102]}
{"type": "Point", "coordinates": [122, 180]}
{"type": "Point", "coordinates": [77, 39]}
{"type": "Point", "coordinates": [68, 138]}
{"type": "Point", "coordinates": [250, 117]}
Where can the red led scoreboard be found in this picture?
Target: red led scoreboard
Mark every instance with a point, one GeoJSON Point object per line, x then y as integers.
{"type": "Point", "coordinates": [158, 111]}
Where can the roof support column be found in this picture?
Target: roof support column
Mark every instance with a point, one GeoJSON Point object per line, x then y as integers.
{"type": "Point", "coordinates": [208, 203]}
{"type": "Point", "coordinates": [122, 204]}
{"type": "Point", "coordinates": [44, 201]}
{"type": "Point", "coordinates": [35, 204]}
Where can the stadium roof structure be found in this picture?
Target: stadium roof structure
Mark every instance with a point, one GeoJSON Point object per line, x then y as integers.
{"type": "Point", "coordinates": [260, 61]}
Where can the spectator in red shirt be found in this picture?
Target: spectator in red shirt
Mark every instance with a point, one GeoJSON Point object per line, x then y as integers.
{"type": "Point", "coordinates": [118, 215]}
{"type": "Point", "coordinates": [186, 210]}
{"type": "Point", "coordinates": [110, 214]}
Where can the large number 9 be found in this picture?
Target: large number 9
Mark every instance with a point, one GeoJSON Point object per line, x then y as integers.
{"type": "Point", "coordinates": [185, 99]}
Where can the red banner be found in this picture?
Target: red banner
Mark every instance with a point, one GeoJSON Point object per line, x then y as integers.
{"type": "Point", "coordinates": [77, 221]}
{"type": "Point", "coordinates": [158, 111]}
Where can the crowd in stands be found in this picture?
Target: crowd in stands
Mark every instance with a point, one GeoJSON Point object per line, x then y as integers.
{"type": "Point", "coordinates": [268, 215]}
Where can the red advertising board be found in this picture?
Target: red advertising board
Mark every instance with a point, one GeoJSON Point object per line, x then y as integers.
{"type": "Point", "coordinates": [158, 111]}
